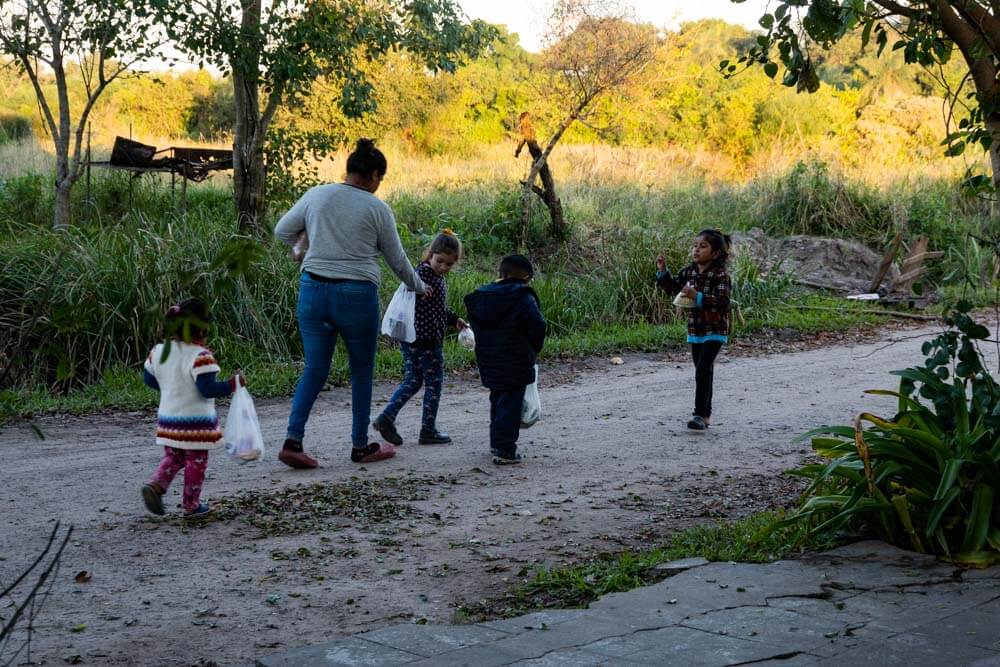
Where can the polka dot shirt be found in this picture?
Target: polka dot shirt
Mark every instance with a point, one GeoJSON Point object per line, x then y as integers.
{"type": "Point", "coordinates": [431, 313]}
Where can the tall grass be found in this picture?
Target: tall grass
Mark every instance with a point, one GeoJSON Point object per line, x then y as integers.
{"type": "Point", "coordinates": [89, 303]}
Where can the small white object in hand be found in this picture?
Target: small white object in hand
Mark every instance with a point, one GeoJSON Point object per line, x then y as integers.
{"type": "Point", "coordinates": [467, 339]}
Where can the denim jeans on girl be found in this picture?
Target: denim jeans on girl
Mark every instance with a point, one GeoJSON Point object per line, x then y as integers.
{"type": "Point", "coordinates": [348, 309]}
{"type": "Point", "coordinates": [422, 366]}
{"type": "Point", "coordinates": [704, 355]}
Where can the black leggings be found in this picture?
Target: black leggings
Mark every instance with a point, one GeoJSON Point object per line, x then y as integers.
{"type": "Point", "coordinates": [704, 355]}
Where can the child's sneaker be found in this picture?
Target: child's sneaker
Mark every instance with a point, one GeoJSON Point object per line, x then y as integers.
{"type": "Point", "coordinates": [697, 423]}
{"type": "Point", "coordinates": [387, 429]}
{"type": "Point", "coordinates": [153, 498]}
{"type": "Point", "coordinates": [502, 460]}
{"type": "Point", "coordinates": [199, 511]}
{"type": "Point", "coordinates": [434, 437]}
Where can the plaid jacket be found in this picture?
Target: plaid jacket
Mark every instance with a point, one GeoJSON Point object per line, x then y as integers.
{"type": "Point", "coordinates": [711, 316]}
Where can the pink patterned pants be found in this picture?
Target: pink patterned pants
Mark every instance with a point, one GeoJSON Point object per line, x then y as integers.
{"type": "Point", "coordinates": [193, 462]}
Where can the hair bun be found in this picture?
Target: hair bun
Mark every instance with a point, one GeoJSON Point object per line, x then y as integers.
{"type": "Point", "coordinates": [366, 145]}
{"type": "Point", "coordinates": [447, 231]}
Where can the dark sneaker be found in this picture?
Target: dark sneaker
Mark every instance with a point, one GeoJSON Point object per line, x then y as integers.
{"type": "Point", "coordinates": [291, 455]}
{"type": "Point", "coordinates": [494, 451]}
{"type": "Point", "coordinates": [387, 429]}
{"type": "Point", "coordinates": [434, 437]}
{"type": "Point", "coordinates": [153, 499]}
{"type": "Point", "coordinates": [697, 423]}
{"type": "Point", "coordinates": [507, 460]}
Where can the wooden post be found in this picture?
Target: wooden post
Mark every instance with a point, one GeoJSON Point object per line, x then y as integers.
{"type": "Point", "coordinates": [890, 254]}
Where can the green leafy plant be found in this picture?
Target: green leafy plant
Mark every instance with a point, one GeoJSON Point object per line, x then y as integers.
{"type": "Point", "coordinates": [929, 477]}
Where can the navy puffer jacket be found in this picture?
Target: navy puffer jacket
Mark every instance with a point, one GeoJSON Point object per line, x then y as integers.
{"type": "Point", "coordinates": [510, 330]}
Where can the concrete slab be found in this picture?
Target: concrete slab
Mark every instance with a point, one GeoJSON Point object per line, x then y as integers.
{"type": "Point", "coordinates": [431, 640]}
{"type": "Point", "coordinates": [864, 604]}
{"type": "Point", "coordinates": [536, 643]}
{"type": "Point", "coordinates": [785, 629]}
{"type": "Point", "coordinates": [909, 650]}
{"type": "Point", "coordinates": [901, 610]}
{"type": "Point", "coordinates": [973, 626]}
{"type": "Point", "coordinates": [480, 655]}
{"type": "Point", "coordinates": [348, 652]}
{"type": "Point", "coordinates": [688, 646]}
{"type": "Point", "coordinates": [538, 620]}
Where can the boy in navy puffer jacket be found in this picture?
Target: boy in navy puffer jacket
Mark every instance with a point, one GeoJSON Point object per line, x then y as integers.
{"type": "Point", "coordinates": [507, 320]}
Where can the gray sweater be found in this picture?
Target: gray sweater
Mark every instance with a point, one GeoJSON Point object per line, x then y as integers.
{"type": "Point", "coordinates": [348, 228]}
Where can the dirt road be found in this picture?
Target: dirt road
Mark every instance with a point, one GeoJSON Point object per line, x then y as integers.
{"type": "Point", "coordinates": [611, 464]}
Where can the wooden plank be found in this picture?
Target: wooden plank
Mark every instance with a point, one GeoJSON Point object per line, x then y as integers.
{"type": "Point", "coordinates": [912, 266]}
{"type": "Point", "coordinates": [890, 254]}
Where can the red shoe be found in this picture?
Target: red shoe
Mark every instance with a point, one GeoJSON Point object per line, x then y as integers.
{"type": "Point", "coordinates": [297, 460]}
{"type": "Point", "coordinates": [384, 451]}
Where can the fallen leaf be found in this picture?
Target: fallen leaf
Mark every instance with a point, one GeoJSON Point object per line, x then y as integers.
{"type": "Point", "coordinates": [617, 361]}
{"type": "Point", "coordinates": [82, 577]}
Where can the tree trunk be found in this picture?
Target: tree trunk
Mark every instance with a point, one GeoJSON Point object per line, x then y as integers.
{"type": "Point", "coordinates": [248, 140]}
{"type": "Point", "coordinates": [548, 191]}
{"type": "Point", "coordinates": [993, 125]}
{"type": "Point", "coordinates": [61, 207]}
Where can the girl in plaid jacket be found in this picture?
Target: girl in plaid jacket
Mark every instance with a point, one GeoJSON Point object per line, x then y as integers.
{"type": "Point", "coordinates": [706, 284]}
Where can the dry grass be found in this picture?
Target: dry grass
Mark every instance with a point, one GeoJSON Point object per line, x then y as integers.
{"type": "Point", "coordinates": [578, 168]}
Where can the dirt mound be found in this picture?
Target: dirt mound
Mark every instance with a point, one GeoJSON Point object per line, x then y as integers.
{"type": "Point", "coordinates": [835, 264]}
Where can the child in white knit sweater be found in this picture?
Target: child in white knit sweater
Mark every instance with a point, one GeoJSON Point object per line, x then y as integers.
{"type": "Point", "coordinates": [183, 370]}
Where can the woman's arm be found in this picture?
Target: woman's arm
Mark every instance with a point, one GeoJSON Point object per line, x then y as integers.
{"type": "Point", "coordinates": [392, 249]}
{"type": "Point", "coordinates": [293, 222]}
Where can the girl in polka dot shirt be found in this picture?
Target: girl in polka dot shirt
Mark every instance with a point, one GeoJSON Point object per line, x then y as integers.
{"type": "Point", "coordinates": [423, 359]}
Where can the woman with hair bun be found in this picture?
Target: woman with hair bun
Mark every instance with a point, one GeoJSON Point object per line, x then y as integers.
{"type": "Point", "coordinates": [348, 230]}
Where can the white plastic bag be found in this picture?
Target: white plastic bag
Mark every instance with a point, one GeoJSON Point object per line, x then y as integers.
{"type": "Point", "coordinates": [467, 339]}
{"type": "Point", "coordinates": [399, 320]}
{"type": "Point", "coordinates": [531, 409]}
{"type": "Point", "coordinates": [241, 434]}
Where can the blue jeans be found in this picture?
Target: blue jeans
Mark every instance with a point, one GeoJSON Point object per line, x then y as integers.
{"type": "Point", "coordinates": [349, 309]}
{"type": "Point", "coordinates": [422, 366]}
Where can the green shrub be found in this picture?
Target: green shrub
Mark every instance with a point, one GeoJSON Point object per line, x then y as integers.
{"type": "Point", "coordinates": [929, 477]}
{"type": "Point", "coordinates": [14, 127]}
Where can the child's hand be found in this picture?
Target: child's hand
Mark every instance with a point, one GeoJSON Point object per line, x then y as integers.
{"type": "Point", "coordinates": [461, 324]}
{"type": "Point", "coordinates": [428, 292]}
{"type": "Point", "coordinates": [661, 263]}
{"type": "Point", "coordinates": [238, 378]}
{"type": "Point", "coordinates": [689, 292]}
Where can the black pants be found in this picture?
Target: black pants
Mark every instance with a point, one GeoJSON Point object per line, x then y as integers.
{"type": "Point", "coordinates": [505, 420]}
{"type": "Point", "coordinates": [704, 355]}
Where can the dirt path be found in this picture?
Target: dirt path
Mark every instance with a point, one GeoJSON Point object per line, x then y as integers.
{"type": "Point", "coordinates": [609, 465]}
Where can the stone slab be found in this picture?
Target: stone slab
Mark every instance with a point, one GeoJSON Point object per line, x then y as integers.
{"type": "Point", "coordinates": [909, 650]}
{"type": "Point", "coordinates": [536, 643]}
{"type": "Point", "coordinates": [348, 652]}
{"type": "Point", "coordinates": [431, 640]}
{"type": "Point", "coordinates": [973, 626]}
{"type": "Point", "coordinates": [907, 609]}
{"type": "Point", "coordinates": [681, 564]}
{"type": "Point", "coordinates": [536, 620]}
{"type": "Point", "coordinates": [787, 630]}
{"type": "Point", "coordinates": [480, 655]}
{"type": "Point", "coordinates": [691, 647]}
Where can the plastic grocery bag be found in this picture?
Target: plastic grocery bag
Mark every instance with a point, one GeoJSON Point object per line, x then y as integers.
{"type": "Point", "coordinates": [241, 434]}
{"type": "Point", "coordinates": [467, 339]}
{"type": "Point", "coordinates": [399, 319]}
{"type": "Point", "coordinates": [531, 409]}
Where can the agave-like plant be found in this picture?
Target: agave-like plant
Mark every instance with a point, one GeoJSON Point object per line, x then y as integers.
{"type": "Point", "coordinates": [929, 477]}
